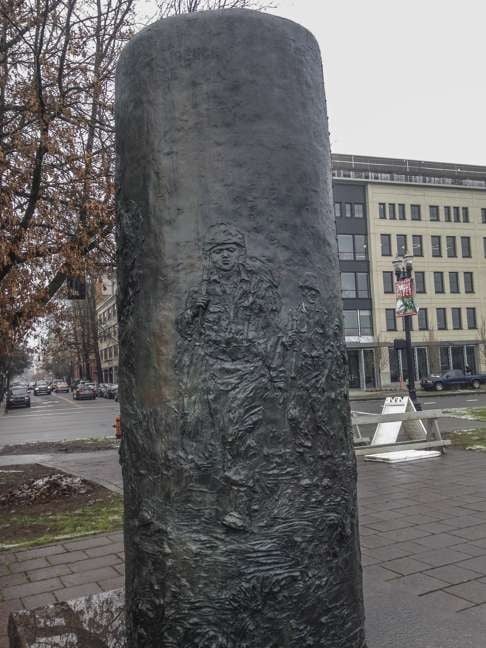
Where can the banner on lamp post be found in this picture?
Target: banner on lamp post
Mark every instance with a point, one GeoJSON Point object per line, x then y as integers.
{"type": "Point", "coordinates": [405, 294]}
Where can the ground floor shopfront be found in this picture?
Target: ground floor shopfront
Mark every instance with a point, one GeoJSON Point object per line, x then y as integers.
{"type": "Point", "coordinates": [372, 367]}
{"type": "Point", "coordinates": [110, 374]}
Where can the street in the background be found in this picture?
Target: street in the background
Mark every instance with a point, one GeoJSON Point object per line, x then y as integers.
{"type": "Point", "coordinates": [57, 417]}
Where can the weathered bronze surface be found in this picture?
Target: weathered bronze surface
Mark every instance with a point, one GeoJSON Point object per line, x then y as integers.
{"type": "Point", "coordinates": [240, 484]}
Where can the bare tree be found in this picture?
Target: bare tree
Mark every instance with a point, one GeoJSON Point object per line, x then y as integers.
{"type": "Point", "coordinates": [175, 7]}
{"type": "Point", "coordinates": [57, 64]}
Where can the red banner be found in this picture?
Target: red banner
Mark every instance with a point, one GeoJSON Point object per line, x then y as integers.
{"type": "Point", "coordinates": [404, 288]}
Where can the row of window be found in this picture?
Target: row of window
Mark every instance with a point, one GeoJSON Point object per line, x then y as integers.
{"type": "Point", "coordinates": [441, 319]}
{"type": "Point", "coordinates": [448, 214]}
{"type": "Point", "coordinates": [451, 357]}
{"type": "Point", "coordinates": [418, 245]}
{"type": "Point", "coordinates": [439, 285]}
{"type": "Point", "coordinates": [348, 210]}
{"type": "Point", "coordinates": [106, 315]}
{"type": "Point", "coordinates": [108, 333]}
{"type": "Point", "coordinates": [109, 353]}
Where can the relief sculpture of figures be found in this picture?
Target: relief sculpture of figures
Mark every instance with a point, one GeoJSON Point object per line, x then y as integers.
{"type": "Point", "coordinates": [232, 346]}
{"type": "Point", "coordinates": [307, 341]}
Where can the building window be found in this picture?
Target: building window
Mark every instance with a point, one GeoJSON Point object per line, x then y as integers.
{"type": "Point", "coordinates": [470, 352]}
{"type": "Point", "coordinates": [451, 246]}
{"type": "Point", "coordinates": [391, 319]}
{"type": "Point", "coordinates": [351, 326]}
{"type": "Point", "coordinates": [392, 212]}
{"type": "Point", "coordinates": [471, 318]}
{"type": "Point", "coordinates": [348, 211]}
{"type": "Point", "coordinates": [415, 212]}
{"type": "Point", "coordinates": [386, 245]}
{"type": "Point", "coordinates": [365, 322]}
{"type": "Point", "coordinates": [439, 282]}
{"type": "Point", "coordinates": [382, 210]}
{"type": "Point", "coordinates": [434, 212]}
{"type": "Point", "coordinates": [465, 215]}
{"type": "Point", "coordinates": [345, 247]}
{"type": "Point", "coordinates": [436, 246]}
{"type": "Point", "coordinates": [362, 285]}
{"type": "Point", "coordinates": [484, 247]}
{"type": "Point", "coordinates": [454, 282]}
{"type": "Point", "coordinates": [401, 244]}
{"type": "Point", "coordinates": [423, 320]}
{"type": "Point", "coordinates": [466, 246]}
{"type": "Point", "coordinates": [447, 214]}
{"type": "Point", "coordinates": [354, 285]}
{"type": "Point", "coordinates": [401, 212]}
{"type": "Point", "coordinates": [445, 359]}
{"type": "Point", "coordinates": [388, 282]}
{"type": "Point", "coordinates": [421, 362]}
{"type": "Point", "coordinates": [358, 210]}
{"type": "Point", "coordinates": [483, 214]}
{"type": "Point", "coordinates": [337, 210]}
{"type": "Point", "coordinates": [456, 318]}
{"type": "Point", "coordinates": [468, 282]}
{"type": "Point", "coordinates": [360, 247]}
{"type": "Point", "coordinates": [441, 319]}
{"type": "Point", "coordinates": [357, 323]}
{"type": "Point", "coordinates": [420, 282]}
{"type": "Point", "coordinates": [457, 214]}
{"type": "Point", "coordinates": [352, 247]}
{"type": "Point", "coordinates": [417, 245]}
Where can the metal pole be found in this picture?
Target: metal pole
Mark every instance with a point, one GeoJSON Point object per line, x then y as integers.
{"type": "Point", "coordinates": [411, 364]}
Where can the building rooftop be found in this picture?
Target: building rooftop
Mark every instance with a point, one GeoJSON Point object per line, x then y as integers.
{"type": "Point", "coordinates": [400, 171]}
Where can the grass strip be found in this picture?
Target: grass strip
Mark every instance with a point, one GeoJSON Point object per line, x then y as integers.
{"type": "Point", "coordinates": [469, 439]}
{"type": "Point", "coordinates": [31, 531]}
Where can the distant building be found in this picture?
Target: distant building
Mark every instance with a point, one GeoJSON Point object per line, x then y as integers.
{"type": "Point", "coordinates": [106, 314]}
{"type": "Point", "coordinates": [437, 212]}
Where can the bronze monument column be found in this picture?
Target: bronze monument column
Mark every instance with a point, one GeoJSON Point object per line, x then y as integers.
{"type": "Point", "coordinates": [239, 473]}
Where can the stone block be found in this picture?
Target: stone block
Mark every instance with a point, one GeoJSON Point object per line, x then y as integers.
{"type": "Point", "coordinates": [95, 621]}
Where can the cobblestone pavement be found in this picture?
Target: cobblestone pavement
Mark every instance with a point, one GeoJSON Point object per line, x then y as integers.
{"type": "Point", "coordinates": [423, 539]}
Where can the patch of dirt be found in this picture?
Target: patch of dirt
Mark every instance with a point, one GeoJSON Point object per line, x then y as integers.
{"type": "Point", "coordinates": [38, 501]}
{"type": "Point", "coordinates": [51, 447]}
{"type": "Point", "coordinates": [50, 487]}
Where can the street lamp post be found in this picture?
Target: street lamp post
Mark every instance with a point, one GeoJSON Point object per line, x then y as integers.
{"type": "Point", "coordinates": [403, 267]}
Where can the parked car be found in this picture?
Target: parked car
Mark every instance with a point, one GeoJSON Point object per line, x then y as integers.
{"type": "Point", "coordinates": [18, 396]}
{"type": "Point", "coordinates": [92, 386]}
{"type": "Point", "coordinates": [453, 378]}
{"type": "Point", "coordinates": [99, 389]}
{"type": "Point", "coordinates": [83, 391]}
{"type": "Point", "coordinates": [112, 391]}
{"type": "Point", "coordinates": [61, 387]}
{"type": "Point", "coordinates": [41, 388]}
{"type": "Point", "coordinates": [105, 387]}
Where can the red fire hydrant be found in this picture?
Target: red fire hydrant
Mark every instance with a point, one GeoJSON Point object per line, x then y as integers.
{"type": "Point", "coordinates": [117, 426]}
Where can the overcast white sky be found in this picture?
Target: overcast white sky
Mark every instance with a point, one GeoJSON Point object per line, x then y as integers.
{"type": "Point", "coordinates": [404, 78]}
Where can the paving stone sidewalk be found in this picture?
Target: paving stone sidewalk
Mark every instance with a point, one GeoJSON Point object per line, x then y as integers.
{"type": "Point", "coordinates": [423, 539]}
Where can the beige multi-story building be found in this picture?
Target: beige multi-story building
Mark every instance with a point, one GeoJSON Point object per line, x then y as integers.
{"type": "Point", "coordinates": [437, 212]}
{"type": "Point", "coordinates": [108, 331]}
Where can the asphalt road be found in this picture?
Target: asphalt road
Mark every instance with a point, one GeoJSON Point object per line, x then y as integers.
{"type": "Point", "coordinates": [57, 417]}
